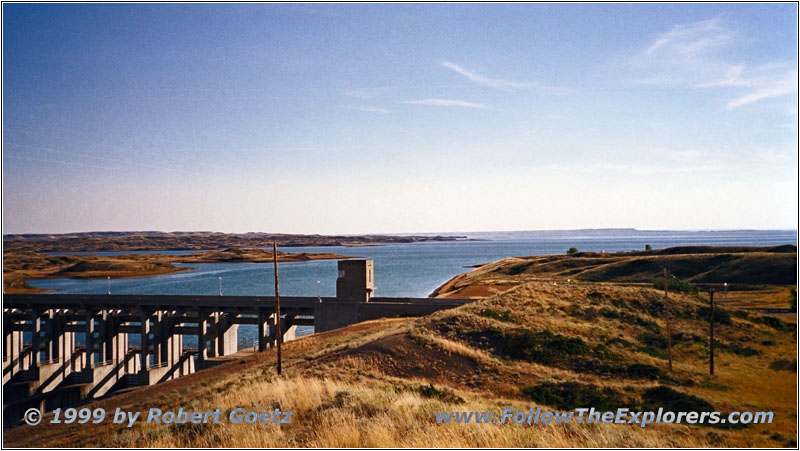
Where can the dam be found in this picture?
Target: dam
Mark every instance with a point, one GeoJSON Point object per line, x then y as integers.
{"type": "Point", "coordinates": [50, 369]}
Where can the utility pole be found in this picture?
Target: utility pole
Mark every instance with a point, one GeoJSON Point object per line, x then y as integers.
{"type": "Point", "coordinates": [669, 329]}
{"type": "Point", "coordinates": [711, 360]}
{"type": "Point", "coordinates": [278, 332]}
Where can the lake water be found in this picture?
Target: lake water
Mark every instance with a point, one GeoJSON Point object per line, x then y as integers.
{"type": "Point", "coordinates": [410, 270]}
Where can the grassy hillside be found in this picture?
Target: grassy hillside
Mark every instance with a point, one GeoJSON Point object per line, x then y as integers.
{"type": "Point", "coordinates": [740, 267]}
{"type": "Point", "coordinates": [538, 343]}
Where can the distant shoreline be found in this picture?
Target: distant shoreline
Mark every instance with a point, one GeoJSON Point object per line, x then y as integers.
{"type": "Point", "coordinates": [180, 241]}
{"type": "Point", "coordinates": [19, 267]}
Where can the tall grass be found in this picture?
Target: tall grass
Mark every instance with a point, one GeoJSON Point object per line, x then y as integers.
{"type": "Point", "coordinates": [334, 414]}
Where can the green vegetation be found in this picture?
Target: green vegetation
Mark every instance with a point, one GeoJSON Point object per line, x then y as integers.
{"type": "Point", "coordinates": [644, 371]}
{"type": "Point", "coordinates": [596, 295]}
{"type": "Point", "coordinates": [784, 365]}
{"type": "Point", "coordinates": [647, 247]}
{"type": "Point", "coordinates": [675, 285]}
{"type": "Point", "coordinates": [571, 395]}
{"type": "Point", "coordinates": [673, 400]}
{"type": "Point", "coordinates": [430, 391]}
{"type": "Point", "coordinates": [737, 349]}
{"type": "Point", "coordinates": [499, 315]}
{"type": "Point", "coordinates": [572, 250]}
{"type": "Point", "coordinates": [775, 323]}
{"type": "Point", "coordinates": [720, 316]}
{"type": "Point", "coordinates": [541, 347]}
{"type": "Point", "coordinates": [653, 345]}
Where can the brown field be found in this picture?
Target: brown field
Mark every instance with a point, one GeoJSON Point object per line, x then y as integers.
{"type": "Point", "coordinates": [379, 383]}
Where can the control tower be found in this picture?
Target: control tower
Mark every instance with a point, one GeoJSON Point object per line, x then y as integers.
{"type": "Point", "coordinates": [356, 282]}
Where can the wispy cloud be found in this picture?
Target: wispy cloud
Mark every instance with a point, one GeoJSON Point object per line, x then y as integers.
{"type": "Point", "coordinates": [498, 83]}
{"type": "Point", "coordinates": [694, 55]}
{"type": "Point", "coordinates": [692, 40]}
{"type": "Point", "coordinates": [485, 81]}
{"type": "Point", "coordinates": [368, 93]}
{"type": "Point", "coordinates": [449, 102]}
{"type": "Point", "coordinates": [371, 109]}
{"type": "Point", "coordinates": [777, 85]}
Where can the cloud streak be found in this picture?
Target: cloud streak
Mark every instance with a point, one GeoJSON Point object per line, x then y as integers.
{"type": "Point", "coordinates": [372, 109]}
{"type": "Point", "coordinates": [693, 55]}
{"type": "Point", "coordinates": [498, 83]}
{"type": "Point", "coordinates": [449, 103]}
{"type": "Point", "coordinates": [485, 81]}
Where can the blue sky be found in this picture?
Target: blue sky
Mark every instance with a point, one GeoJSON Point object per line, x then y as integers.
{"type": "Point", "coordinates": [369, 118]}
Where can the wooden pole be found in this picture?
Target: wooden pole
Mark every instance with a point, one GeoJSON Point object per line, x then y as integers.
{"type": "Point", "coordinates": [278, 332]}
{"type": "Point", "coordinates": [711, 360]}
{"type": "Point", "coordinates": [669, 328]}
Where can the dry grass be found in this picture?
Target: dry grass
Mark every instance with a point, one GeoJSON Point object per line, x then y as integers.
{"type": "Point", "coordinates": [337, 414]}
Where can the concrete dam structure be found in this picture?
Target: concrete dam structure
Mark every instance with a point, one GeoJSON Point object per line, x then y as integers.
{"type": "Point", "coordinates": [49, 369]}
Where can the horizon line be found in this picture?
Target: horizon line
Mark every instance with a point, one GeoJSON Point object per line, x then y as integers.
{"type": "Point", "coordinates": [630, 229]}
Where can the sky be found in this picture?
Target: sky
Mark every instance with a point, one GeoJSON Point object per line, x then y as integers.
{"type": "Point", "coordinates": [399, 118]}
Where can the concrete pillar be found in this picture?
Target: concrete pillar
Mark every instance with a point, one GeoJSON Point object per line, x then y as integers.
{"type": "Point", "coordinates": [156, 329]}
{"type": "Point", "coordinates": [212, 334]}
{"type": "Point", "coordinates": [202, 332]}
{"type": "Point", "coordinates": [262, 330]}
{"type": "Point", "coordinates": [109, 327]}
{"type": "Point", "coordinates": [36, 329]}
{"type": "Point", "coordinates": [58, 347]}
{"type": "Point", "coordinates": [227, 335]}
{"type": "Point", "coordinates": [289, 329]}
{"type": "Point", "coordinates": [56, 332]}
{"type": "Point", "coordinates": [89, 363]}
{"type": "Point", "coordinates": [144, 354]}
{"type": "Point", "coordinates": [101, 327]}
{"type": "Point", "coordinates": [12, 347]}
{"type": "Point", "coordinates": [164, 327]}
{"type": "Point", "coordinates": [50, 345]}
{"type": "Point", "coordinates": [174, 351]}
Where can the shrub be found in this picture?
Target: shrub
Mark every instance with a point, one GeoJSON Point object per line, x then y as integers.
{"type": "Point", "coordinates": [653, 345]}
{"type": "Point", "coordinates": [610, 313]}
{"type": "Point", "coordinates": [775, 323]}
{"type": "Point", "coordinates": [675, 401]}
{"type": "Point", "coordinates": [784, 365]}
{"type": "Point", "coordinates": [644, 371]}
{"type": "Point", "coordinates": [572, 250]}
{"type": "Point", "coordinates": [720, 316]}
{"type": "Point", "coordinates": [737, 349]}
{"type": "Point", "coordinates": [499, 315]}
{"type": "Point", "coordinates": [647, 247]}
{"type": "Point", "coordinates": [571, 395]}
{"type": "Point", "coordinates": [541, 347]}
{"type": "Point", "coordinates": [596, 295]}
{"type": "Point", "coordinates": [443, 395]}
{"type": "Point", "coordinates": [675, 285]}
